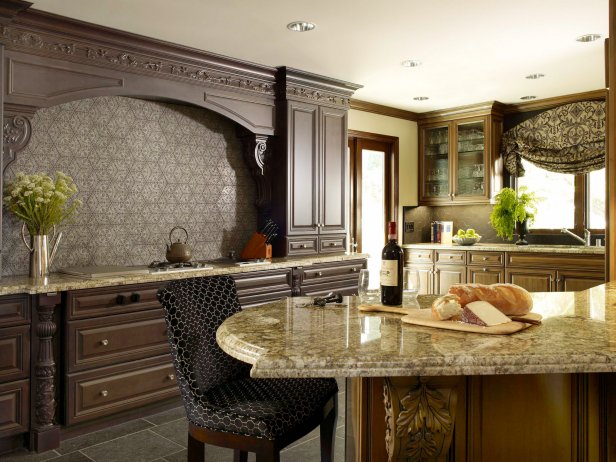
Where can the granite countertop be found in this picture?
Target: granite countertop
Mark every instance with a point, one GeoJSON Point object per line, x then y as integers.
{"type": "Point", "coordinates": [58, 282]}
{"type": "Point", "coordinates": [290, 339]}
{"type": "Point", "coordinates": [571, 249]}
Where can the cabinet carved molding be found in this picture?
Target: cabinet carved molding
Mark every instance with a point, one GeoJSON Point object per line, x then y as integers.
{"type": "Point", "coordinates": [45, 434]}
{"type": "Point", "coordinates": [419, 417]}
{"type": "Point", "coordinates": [16, 134]}
{"type": "Point", "coordinates": [257, 153]}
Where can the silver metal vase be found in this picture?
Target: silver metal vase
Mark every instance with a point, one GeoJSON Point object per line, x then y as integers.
{"type": "Point", "coordinates": [40, 257]}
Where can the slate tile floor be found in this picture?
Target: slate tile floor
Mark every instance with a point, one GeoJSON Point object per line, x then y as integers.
{"type": "Point", "coordinates": [162, 438]}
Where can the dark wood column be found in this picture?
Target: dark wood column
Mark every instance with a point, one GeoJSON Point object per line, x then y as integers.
{"type": "Point", "coordinates": [44, 432]}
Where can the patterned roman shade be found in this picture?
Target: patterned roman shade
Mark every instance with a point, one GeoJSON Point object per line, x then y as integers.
{"type": "Point", "coordinates": [566, 139]}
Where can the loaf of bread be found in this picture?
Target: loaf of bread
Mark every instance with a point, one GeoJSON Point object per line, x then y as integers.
{"type": "Point", "coordinates": [446, 307]}
{"type": "Point", "coordinates": [510, 299]}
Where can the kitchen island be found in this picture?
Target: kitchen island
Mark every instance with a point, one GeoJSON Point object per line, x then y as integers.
{"type": "Point", "coordinates": [545, 393]}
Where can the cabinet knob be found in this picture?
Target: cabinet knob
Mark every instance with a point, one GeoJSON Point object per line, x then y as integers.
{"type": "Point", "coordinates": [319, 274]}
{"type": "Point", "coordinates": [485, 258]}
{"type": "Point", "coordinates": [171, 376]}
{"type": "Point", "coordinates": [134, 298]}
{"type": "Point", "coordinates": [485, 269]}
{"type": "Point", "coordinates": [353, 270]}
{"type": "Point", "coordinates": [450, 256]}
{"type": "Point", "coordinates": [104, 393]}
{"type": "Point", "coordinates": [104, 342]}
{"type": "Point", "coordinates": [332, 244]}
{"type": "Point", "coordinates": [120, 300]}
{"type": "Point", "coordinates": [302, 246]}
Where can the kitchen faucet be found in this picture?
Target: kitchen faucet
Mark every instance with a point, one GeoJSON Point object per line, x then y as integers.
{"type": "Point", "coordinates": [585, 240]}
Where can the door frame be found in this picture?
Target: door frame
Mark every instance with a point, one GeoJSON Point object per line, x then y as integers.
{"type": "Point", "coordinates": [355, 139]}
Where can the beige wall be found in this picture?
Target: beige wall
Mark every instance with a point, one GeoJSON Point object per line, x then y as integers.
{"type": "Point", "coordinates": [406, 131]}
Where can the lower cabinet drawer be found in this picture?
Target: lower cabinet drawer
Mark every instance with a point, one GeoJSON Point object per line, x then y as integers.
{"type": "Point", "coordinates": [486, 258]}
{"type": "Point", "coordinates": [258, 299]}
{"type": "Point", "coordinates": [14, 353]}
{"type": "Point", "coordinates": [109, 390]}
{"type": "Point", "coordinates": [302, 245]}
{"type": "Point", "coordinates": [14, 309]}
{"type": "Point", "coordinates": [114, 339]}
{"type": "Point", "coordinates": [348, 287]}
{"type": "Point", "coordinates": [14, 408]}
{"type": "Point", "coordinates": [454, 257]}
{"type": "Point", "coordinates": [325, 272]}
{"type": "Point", "coordinates": [332, 244]}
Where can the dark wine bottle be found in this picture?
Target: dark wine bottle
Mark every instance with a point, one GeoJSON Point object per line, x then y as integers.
{"type": "Point", "coordinates": [392, 263]}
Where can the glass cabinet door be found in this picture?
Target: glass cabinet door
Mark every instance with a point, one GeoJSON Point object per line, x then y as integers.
{"type": "Point", "coordinates": [436, 162]}
{"type": "Point", "coordinates": [470, 165]}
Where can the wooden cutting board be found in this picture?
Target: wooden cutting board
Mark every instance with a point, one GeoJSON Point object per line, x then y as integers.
{"type": "Point", "coordinates": [424, 318]}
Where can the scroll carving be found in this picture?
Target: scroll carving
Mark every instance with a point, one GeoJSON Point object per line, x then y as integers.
{"type": "Point", "coordinates": [16, 132]}
{"type": "Point", "coordinates": [13, 36]}
{"type": "Point", "coordinates": [256, 154]}
{"type": "Point", "coordinates": [419, 425]}
{"type": "Point", "coordinates": [318, 96]}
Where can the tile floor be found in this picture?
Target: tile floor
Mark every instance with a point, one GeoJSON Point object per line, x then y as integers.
{"type": "Point", "coordinates": [162, 437]}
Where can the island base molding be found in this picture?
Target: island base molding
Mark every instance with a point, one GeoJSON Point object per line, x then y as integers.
{"type": "Point", "coordinates": [536, 417]}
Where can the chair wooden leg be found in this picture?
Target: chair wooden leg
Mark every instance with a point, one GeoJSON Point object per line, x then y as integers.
{"type": "Point", "coordinates": [273, 456]}
{"type": "Point", "coordinates": [327, 431]}
{"type": "Point", "coordinates": [240, 456]}
{"type": "Point", "coordinates": [196, 450]}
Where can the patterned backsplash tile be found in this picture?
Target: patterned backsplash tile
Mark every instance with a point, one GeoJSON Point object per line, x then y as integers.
{"type": "Point", "coordinates": [142, 167]}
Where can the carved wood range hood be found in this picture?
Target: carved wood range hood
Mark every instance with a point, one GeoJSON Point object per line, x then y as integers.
{"type": "Point", "coordinates": [49, 60]}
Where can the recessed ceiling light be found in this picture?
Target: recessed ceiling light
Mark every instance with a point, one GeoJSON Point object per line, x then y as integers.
{"type": "Point", "coordinates": [588, 37]}
{"type": "Point", "coordinates": [421, 98]}
{"type": "Point", "coordinates": [528, 97]}
{"type": "Point", "coordinates": [301, 26]}
{"type": "Point", "coordinates": [410, 63]}
{"type": "Point", "coordinates": [535, 76]}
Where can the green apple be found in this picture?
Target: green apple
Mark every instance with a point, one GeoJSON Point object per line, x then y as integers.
{"type": "Point", "coordinates": [470, 232]}
{"type": "Point", "coordinates": [461, 233]}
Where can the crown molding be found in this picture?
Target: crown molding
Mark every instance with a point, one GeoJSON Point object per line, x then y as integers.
{"type": "Point", "coordinates": [388, 111]}
{"type": "Point", "coordinates": [549, 103]}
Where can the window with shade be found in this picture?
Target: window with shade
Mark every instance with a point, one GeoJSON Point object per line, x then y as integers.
{"type": "Point", "coordinates": [567, 201]}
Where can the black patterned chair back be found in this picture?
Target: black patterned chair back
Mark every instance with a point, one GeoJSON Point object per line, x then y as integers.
{"type": "Point", "coordinates": [194, 309]}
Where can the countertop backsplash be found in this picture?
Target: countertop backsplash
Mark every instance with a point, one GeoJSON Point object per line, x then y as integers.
{"type": "Point", "coordinates": [142, 167]}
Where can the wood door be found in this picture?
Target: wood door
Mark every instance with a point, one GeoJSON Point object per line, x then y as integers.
{"type": "Point", "coordinates": [533, 280]}
{"type": "Point", "coordinates": [303, 169]}
{"type": "Point", "coordinates": [485, 275]}
{"type": "Point", "coordinates": [575, 280]}
{"type": "Point", "coordinates": [333, 198]}
{"type": "Point", "coordinates": [447, 275]}
{"type": "Point", "coordinates": [374, 189]}
{"type": "Point", "coordinates": [470, 167]}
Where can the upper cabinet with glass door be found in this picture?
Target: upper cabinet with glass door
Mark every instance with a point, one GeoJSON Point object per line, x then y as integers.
{"type": "Point", "coordinates": [459, 159]}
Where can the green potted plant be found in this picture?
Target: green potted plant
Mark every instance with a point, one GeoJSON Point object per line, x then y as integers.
{"type": "Point", "coordinates": [511, 209]}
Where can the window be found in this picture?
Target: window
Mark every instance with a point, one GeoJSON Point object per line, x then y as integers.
{"type": "Point", "coordinates": [568, 201]}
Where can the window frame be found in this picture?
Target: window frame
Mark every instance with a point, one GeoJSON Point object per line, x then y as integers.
{"type": "Point", "coordinates": [580, 204]}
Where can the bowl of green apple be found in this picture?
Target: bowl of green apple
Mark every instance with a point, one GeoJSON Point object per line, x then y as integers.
{"type": "Point", "coordinates": [468, 237]}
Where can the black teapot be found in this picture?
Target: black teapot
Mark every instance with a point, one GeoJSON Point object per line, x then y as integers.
{"type": "Point", "coordinates": [178, 252]}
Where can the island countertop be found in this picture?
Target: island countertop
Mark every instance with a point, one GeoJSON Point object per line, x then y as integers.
{"type": "Point", "coordinates": [293, 339]}
{"type": "Point", "coordinates": [58, 282]}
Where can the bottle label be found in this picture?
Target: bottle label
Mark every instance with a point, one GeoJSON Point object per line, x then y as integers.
{"type": "Point", "coordinates": [389, 273]}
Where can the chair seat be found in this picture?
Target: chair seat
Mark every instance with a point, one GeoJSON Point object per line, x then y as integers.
{"type": "Point", "coordinates": [263, 408]}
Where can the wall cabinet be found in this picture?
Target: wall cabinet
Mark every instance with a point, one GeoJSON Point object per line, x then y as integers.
{"type": "Point", "coordinates": [458, 157]}
{"type": "Point", "coordinates": [310, 179]}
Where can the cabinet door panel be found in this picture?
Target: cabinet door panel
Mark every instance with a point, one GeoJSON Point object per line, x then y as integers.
{"type": "Point", "coordinates": [485, 275]}
{"type": "Point", "coordinates": [303, 169]}
{"type": "Point", "coordinates": [333, 170]}
{"type": "Point", "coordinates": [425, 278]}
{"type": "Point", "coordinates": [533, 280]}
{"type": "Point", "coordinates": [573, 281]}
{"type": "Point", "coordinates": [447, 275]}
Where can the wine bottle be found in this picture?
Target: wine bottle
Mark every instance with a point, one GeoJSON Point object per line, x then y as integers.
{"type": "Point", "coordinates": [392, 263]}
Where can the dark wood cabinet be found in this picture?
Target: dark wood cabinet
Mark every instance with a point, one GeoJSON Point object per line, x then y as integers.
{"type": "Point", "coordinates": [310, 198]}
{"type": "Point", "coordinates": [257, 287]}
{"type": "Point", "coordinates": [14, 366]}
{"type": "Point", "coordinates": [322, 278]}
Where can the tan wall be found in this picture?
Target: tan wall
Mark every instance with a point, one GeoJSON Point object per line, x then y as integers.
{"type": "Point", "coordinates": [406, 131]}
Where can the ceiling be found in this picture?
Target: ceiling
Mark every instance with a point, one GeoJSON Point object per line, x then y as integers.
{"type": "Point", "coordinates": [471, 51]}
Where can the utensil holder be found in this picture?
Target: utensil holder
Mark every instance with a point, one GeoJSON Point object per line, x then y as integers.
{"type": "Point", "coordinates": [256, 248]}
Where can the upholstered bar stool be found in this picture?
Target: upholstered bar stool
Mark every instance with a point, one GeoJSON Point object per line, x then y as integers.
{"type": "Point", "coordinates": [224, 406]}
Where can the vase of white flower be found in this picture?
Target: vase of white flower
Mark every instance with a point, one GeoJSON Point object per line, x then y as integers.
{"type": "Point", "coordinates": [42, 203]}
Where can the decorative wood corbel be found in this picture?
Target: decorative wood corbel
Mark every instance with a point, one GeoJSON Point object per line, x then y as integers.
{"type": "Point", "coordinates": [257, 155]}
{"type": "Point", "coordinates": [419, 417]}
{"type": "Point", "coordinates": [17, 130]}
